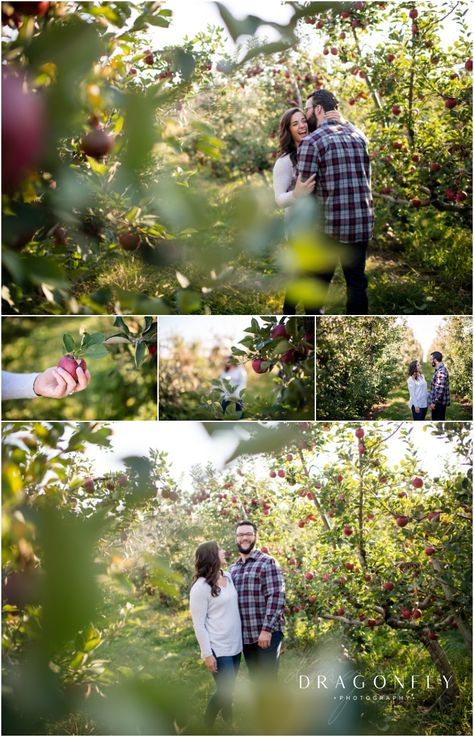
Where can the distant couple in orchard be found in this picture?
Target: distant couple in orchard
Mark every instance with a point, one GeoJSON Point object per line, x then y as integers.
{"type": "Point", "coordinates": [237, 612]}
{"type": "Point", "coordinates": [327, 158]}
{"type": "Point", "coordinates": [438, 397]}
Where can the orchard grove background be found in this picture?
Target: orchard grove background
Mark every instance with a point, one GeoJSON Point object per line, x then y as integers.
{"type": "Point", "coordinates": [138, 177]}
{"type": "Point", "coordinates": [377, 559]}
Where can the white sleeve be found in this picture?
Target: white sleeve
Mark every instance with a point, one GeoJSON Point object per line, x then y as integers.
{"type": "Point", "coordinates": [18, 386]}
{"type": "Point", "coordinates": [282, 176]}
{"type": "Point", "coordinates": [411, 401]}
{"type": "Point", "coordinates": [198, 605]}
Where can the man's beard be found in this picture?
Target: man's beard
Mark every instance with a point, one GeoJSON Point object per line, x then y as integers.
{"type": "Point", "coordinates": [247, 549]}
{"type": "Point", "coordinates": [312, 123]}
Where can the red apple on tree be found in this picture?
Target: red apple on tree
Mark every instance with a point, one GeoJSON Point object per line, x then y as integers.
{"type": "Point", "coordinates": [97, 144]}
{"type": "Point", "coordinates": [70, 364]}
{"type": "Point", "coordinates": [417, 482]}
{"type": "Point", "coordinates": [389, 585]}
{"type": "Point", "coordinates": [359, 433]}
{"type": "Point", "coordinates": [413, 13]}
{"type": "Point", "coordinates": [279, 331]}
{"type": "Point", "coordinates": [258, 367]}
{"type": "Point", "coordinates": [430, 550]}
{"type": "Point", "coordinates": [347, 530]}
{"type": "Point", "coordinates": [129, 240]}
{"type": "Point", "coordinates": [402, 520]}
{"type": "Point", "coordinates": [450, 102]}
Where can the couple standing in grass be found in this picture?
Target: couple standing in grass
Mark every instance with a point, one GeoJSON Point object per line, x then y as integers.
{"type": "Point", "coordinates": [235, 612]}
{"type": "Point", "coordinates": [327, 158]}
{"type": "Point", "coordinates": [439, 396]}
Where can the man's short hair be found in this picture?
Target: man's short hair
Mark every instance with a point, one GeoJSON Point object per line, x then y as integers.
{"type": "Point", "coordinates": [326, 99]}
{"type": "Point", "coordinates": [246, 522]}
{"type": "Point", "coordinates": [437, 356]}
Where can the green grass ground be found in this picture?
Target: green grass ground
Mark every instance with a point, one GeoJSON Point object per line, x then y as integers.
{"type": "Point", "coordinates": [160, 646]}
{"type": "Point", "coordinates": [396, 406]}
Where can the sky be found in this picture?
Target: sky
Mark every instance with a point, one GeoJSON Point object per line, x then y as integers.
{"type": "Point", "coordinates": [224, 329]}
{"type": "Point", "coordinates": [188, 444]}
{"type": "Point", "coordinates": [424, 328]}
{"type": "Point", "coordinates": [192, 16]}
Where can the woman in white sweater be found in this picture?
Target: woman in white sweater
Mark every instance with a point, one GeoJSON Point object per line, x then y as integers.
{"type": "Point", "coordinates": [418, 391]}
{"type": "Point", "coordinates": [216, 620]}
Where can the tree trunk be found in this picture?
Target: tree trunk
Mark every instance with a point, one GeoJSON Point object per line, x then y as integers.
{"type": "Point", "coordinates": [443, 666]}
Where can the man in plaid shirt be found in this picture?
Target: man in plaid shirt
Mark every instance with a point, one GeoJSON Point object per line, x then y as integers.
{"type": "Point", "coordinates": [439, 397]}
{"type": "Point", "coordinates": [337, 153]}
{"type": "Point", "coordinates": [261, 590]}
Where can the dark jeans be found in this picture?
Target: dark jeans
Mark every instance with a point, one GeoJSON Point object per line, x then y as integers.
{"type": "Point", "coordinates": [419, 415]}
{"type": "Point", "coordinates": [264, 661]}
{"type": "Point", "coordinates": [353, 267]}
{"type": "Point", "coordinates": [439, 412]}
{"type": "Point", "coordinates": [221, 699]}
{"type": "Point", "coordinates": [239, 407]}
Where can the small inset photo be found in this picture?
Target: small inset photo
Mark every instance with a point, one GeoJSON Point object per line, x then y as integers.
{"type": "Point", "coordinates": [394, 368]}
{"type": "Point", "coordinates": [234, 368]}
{"type": "Point", "coordinates": [79, 368]}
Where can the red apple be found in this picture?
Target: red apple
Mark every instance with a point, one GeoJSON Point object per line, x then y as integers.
{"type": "Point", "coordinates": [405, 613]}
{"type": "Point", "coordinates": [264, 550]}
{"type": "Point", "coordinates": [396, 110]}
{"type": "Point", "coordinates": [430, 550]}
{"type": "Point", "coordinates": [31, 8]}
{"type": "Point", "coordinates": [334, 51]}
{"type": "Point", "coordinates": [461, 196]}
{"type": "Point", "coordinates": [273, 474]}
{"type": "Point", "coordinates": [257, 365]}
{"type": "Point", "coordinates": [450, 102]}
{"type": "Point", "coordinates": [389, 585]}
{"type": "Point", "coordinates": [416, 614]}
{"type": "Point", "coordinates": [417, 482]}
{"type": "Point", "coordinates": [69, 364]}
{"type": "Point", "coordinates": [435, 167]}
{"type": "Point", "coordinates": [289, 457]}
{"type": "Point", "coordinates": [350, 566]}
{"type": "Point", "coordinates": [367, 577]}
{"type": "Point", "coordinates": [301, 524]}
{"type": "Point", "coordinates": [402, 520]}
{"type": "Point", "coordinates": [347, 530]}
{"type": "Point", "coordinates": [129, 241]}
{"type": "Point", "coordinates": [97, 144]}
{"type": "Point", "coordinates": [282, 473]}
{"type": "Point", "coordinates": [371, 623]}
{"type": "Point", "coordinates": [122, 480]}
{"type": "Point", "coordinates": [415, 202]}
{"type": "Point", "coordinates": [288, 357]}
{"type": "Point", "coordinates": [279, 331]}
{"type": "Point", "coordinates": [341, 611]}
{"type": "Point", "coordinates": [432, 635]}
{"type": "Point", "coordinates": [325, 52]}
{"type": "Point", "coordinates": [326, 577]}
{"type": "Point", "coordinates": [88, 485]}
{"type": "Point", "coordinates": [152, 349]}
{"type": "Point", "coordinates": [59, 235]}
{"type": "Point", "coordinates": [23, 131]}
{"type": "Point", "coordinates": [468, 65]}
{"type": "Point", "coordinates": [342, 580]}
{"type": "Point", "coordinates": [413, 13]}
{"type": "Point", "coordinates": [359, 433]}
{"type": "Point", "coordinates": [309, 576]}
{"type": "Point", "coordinates": [361, 448]}
{"type": "Point", "coordinates": [339, 478]}
{"type": "Point", "coordinates": [387, 190]}
{"type": "Point", "coordinates": [389, 58]}
{"type": "Point", "coordinates": [311, 599]}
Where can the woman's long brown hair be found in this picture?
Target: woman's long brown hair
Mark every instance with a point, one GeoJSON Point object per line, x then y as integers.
{"type": "Point", "coordinates": [207, 565]}
{"type": "Point", "coordinates": [286, 142]}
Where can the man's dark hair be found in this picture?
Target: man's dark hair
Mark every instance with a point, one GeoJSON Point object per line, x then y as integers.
{"type": "Point", "coordinates": [245, 522]}
{"type": "Point", "coordinates": [324, 98]}
{"type": "Point", "coordinates": [437, 356]}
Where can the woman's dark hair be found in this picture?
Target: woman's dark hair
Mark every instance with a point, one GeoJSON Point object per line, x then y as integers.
{"type": "Point", "coordinates": [286, 142]}
{"type": "Point", "coordinates": [412, 368]}
{"type": "Point", "coordinates": [207, 565]}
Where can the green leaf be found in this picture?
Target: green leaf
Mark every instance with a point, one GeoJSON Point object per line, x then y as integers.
{"type": "Point", "coordinates": [90, 339]}
{"type": "Point", "coordinates": [119, 322]}
{"type": "Point", "coordinates": [69, 343]}
{"type": "Point", "coordinates": [140, 352]}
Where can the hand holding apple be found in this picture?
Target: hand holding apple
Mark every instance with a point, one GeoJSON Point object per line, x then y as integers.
{"type": "Point", "coordinates": [56, 383]}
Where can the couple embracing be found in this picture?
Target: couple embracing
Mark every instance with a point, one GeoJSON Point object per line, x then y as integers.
{"type": "Point", "coordinates": [235, 612]}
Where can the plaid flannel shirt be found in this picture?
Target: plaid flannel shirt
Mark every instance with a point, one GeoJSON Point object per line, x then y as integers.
{"type": "Point", "coordinates": [338, 155]}
{"type": "Point", "coordinates": [439, 390]}
{"type": "Point", "coordinates": [261, 590]}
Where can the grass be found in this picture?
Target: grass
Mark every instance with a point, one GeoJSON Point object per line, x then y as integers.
{"type": "Point", "coordinates": [247, 278]}
{"type": "Point", "coordinates": [158, 646]}
{"type": "Point", "coordinates": [396, 407]}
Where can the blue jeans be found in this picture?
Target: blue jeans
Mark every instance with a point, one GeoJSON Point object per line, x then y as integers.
{"type": "Point", "coordinates": [239, 407]}
{"type": "Point", "coordinates": [264, 661]}
{"type": "Point", "coordinates": [221, 699]}
{"type": "Point", "coordinates": [419, 415]}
